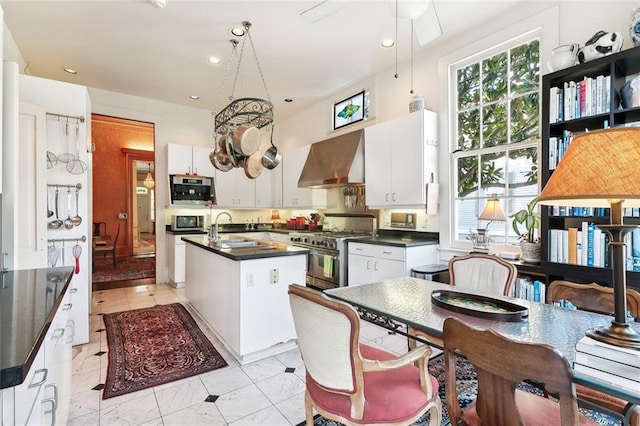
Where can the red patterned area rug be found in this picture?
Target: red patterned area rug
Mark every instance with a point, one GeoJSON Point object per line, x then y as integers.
{"type": "Point", "coordinates": [130, 268]}
{"type": "Point", "coordinates": [152, 346]}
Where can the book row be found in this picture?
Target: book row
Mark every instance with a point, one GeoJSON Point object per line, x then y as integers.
{"type": "Point", "coordinates": [576, 99]}
{"type": "Point", "coordinates": [612, 364]}
{"type": "Point", "coordinates": [562, 211]}
{"type": "Point", "coordinates": [532, 290]}
{"type": "Point", "coordinates": [589, 246]}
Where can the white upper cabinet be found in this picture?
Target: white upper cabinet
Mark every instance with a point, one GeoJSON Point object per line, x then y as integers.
{"type": "Point", "coordinates": [401, 157]}
{"type": "Point", "coordinates": [187, 159]}
{"type": "Point", "coordinates": [294, 197]}
{"type": "Point", "coordinates": [235, 189]}
{"type": "Point", "coordinates": [264, 189]}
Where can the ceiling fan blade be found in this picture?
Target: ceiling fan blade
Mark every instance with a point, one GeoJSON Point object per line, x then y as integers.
{"type": "Point", "coordinates": [323, 9]}
{"type": "Point", "coordinates": [427, 26]}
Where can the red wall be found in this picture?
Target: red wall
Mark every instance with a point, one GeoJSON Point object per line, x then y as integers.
{"type": "Point", "coordinates": [110, 135]}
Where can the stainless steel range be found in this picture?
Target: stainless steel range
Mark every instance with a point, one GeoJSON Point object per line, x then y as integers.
{"type": "Point", "coordinates": [327, 262]}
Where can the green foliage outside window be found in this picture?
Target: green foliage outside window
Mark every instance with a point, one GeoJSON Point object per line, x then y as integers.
{"type": "Point", "coordinates": [498, 107]}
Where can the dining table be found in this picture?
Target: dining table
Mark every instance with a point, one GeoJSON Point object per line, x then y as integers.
{"type": "Point", "coordinates": [407, 302]}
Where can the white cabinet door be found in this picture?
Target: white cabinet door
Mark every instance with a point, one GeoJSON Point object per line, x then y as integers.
{"type": "Point", "coordinates": [187, 159]}
{"type": "Point", "coordinates": [384, 269]}
{"type": "Point", "coordinates": [292, 164]}
{"type": "Point", "coordinates": [24, 222]}
{"type": "Point", "coordinates": [276, 187]}
{"type": "Point", "coordinates": [201, 163]}
{"type": "Point", "coordinates": [360, 269]}
{"type": "Point", "coordinates": [264, 189]}
{"type": "Point", "coordinates": [377, 155]}
{"type": "Point", "coordinates": [292, 196]}
{"type": "Point", "coordinates": [235, 189]}
{"type": "Point", "coordinates": [179, 159]}
{"type": "Point", "coordinates": [56, 394]}
{"type": "Point", "coordinates": [400, 159]}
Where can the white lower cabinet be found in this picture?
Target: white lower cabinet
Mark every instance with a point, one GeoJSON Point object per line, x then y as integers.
{"type": "Point", "coordinates": [176, 253]}
{"type": "Point", "coordinates": [44, 397]}
{"type": "Point", "coordinates": [369, 263]}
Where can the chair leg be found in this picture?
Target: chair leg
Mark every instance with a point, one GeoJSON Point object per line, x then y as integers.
{"type": "Point", "coordinates": [308, 408]}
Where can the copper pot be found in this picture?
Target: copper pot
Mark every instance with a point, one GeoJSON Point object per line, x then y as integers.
{"type": "Point", "coordinates": [253, 165]}
{"type": "Point", "coordinates": [246, 139]}
{"type": "Point", "coordinates": [219, 157]}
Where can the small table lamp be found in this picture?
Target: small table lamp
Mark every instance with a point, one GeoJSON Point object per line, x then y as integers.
{"type": "Point", "coordinates": [600, 169]}
{"type": "Point", "coordinates": [492, 211]}
{"type": "Point", "coordinates": [275, 215]}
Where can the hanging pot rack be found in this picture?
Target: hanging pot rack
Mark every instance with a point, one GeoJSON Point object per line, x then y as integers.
{"type": "Point", "coordinates": [251, 111]}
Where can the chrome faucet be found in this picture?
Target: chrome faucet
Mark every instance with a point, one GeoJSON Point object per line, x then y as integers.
{"type": "Point", "coordinates": [215, 226]}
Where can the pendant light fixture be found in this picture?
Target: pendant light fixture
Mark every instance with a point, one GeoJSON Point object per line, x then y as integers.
{"type": "Point", "coordinates": [148, 181]}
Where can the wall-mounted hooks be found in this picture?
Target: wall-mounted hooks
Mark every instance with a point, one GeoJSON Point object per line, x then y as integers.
{"type": "Point", "coordinates": [79, 118]}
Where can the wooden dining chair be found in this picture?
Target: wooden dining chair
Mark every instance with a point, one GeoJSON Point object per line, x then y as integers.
{"type": "Point", "coordinates": [107, 249]}
{"type": "Point", "coordinates": [596, 298]}
{"type": "Point", "coordinates": [353, 383]}
{"type": "Point", "coordinates": [486, 273]}
{"type": "Point", "coordinates": [501, 364]}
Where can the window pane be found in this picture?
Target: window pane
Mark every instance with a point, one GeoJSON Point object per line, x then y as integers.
{"type": "Point", "coordinates": [523, 172]}
{"type": "Point", "coordinates": [468, 86]}
{"type": "Point", "coordinates": [492, 174]}
{"type": "Point", "coordinates": [467, 168]}
{"type": "Point", "coordinates": [469, 129]}
{"type": "Point", "coordinates": [494, 78]}
{"type": "Point", "coordinates": [525, 67]}
{"type": "Point", "coordinates": [525, 118]}
{"type": "Point", "coordinates": [494, 124]}
{"type": "Point", "coordinates": [467, 222]}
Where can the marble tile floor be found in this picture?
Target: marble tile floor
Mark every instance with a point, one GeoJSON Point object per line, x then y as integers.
{"type": "Point", "coordinates": [269, 392]}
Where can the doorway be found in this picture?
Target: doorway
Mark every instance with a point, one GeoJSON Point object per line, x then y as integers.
{"type": "Point", "coordinates": [122, 159]}
{"type": "Point", "coordinates": [143, 209]}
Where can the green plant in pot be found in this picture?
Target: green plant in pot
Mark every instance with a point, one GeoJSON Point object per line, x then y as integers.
{"type": "Point", "coordinates": [528, 218]}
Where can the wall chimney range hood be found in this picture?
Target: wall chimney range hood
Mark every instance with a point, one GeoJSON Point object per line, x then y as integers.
{"type": "Point", "coordinates": [335, 162]}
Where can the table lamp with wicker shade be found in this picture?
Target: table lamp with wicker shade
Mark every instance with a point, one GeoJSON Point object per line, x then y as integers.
{"type": "Point", "coordinates": [602, 169]}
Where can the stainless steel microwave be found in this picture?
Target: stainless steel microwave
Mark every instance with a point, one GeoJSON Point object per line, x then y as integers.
{"type": "Point", "coordinates": [187, 223]}
{"type": "Point", "coordinates": [191, 189]}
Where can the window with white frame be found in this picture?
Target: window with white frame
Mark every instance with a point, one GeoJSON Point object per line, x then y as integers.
{"type": "Point", "coordinates": [496, 135]}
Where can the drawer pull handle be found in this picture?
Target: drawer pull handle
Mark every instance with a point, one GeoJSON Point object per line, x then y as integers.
{"type": "Point", "coordinates": [67, 306]}
{"type": "Point", "coordinates": [55, 395]}
{"type": "Point", "coordinates": [73, 290]}
{"type": "Point", "coordinates": [57, 333]}
{"type": "Point", "coordinates": [44, 372]}
{"type": "Point", "coordinates": [387, 252]}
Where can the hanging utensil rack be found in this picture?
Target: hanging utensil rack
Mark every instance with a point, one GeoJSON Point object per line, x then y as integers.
{"type": "Point", "coordinates": [72, 117]}
{"type": "Point", "coordinates": [63, 240]}
{"type": "Point", "coordinates": [252, 111]}
{"type": "Point", "coordinates": [59, 185]}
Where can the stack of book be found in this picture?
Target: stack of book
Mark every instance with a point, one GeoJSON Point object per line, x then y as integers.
{"type": "Point", "coordinates": [608, 363]}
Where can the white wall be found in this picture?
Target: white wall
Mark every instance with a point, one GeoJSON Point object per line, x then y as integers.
{"type": "Point", "coordinates": [390, 97]}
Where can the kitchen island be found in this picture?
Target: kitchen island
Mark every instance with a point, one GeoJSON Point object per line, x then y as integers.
{"type": "Point", "coordinates": [239, 287]}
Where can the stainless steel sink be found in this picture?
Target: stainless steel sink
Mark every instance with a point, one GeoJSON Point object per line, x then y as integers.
{"type": "Point", "coordinates": [239, 243]}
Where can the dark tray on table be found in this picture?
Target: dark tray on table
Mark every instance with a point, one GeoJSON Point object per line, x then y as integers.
{"type": "Point", "coordinates": [479, 306]}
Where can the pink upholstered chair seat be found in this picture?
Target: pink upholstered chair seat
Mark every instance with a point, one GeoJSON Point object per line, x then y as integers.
{"type": "Point", "coordinates": [394, 395]}
{"type": "Point", "coordinates": [535, 411]}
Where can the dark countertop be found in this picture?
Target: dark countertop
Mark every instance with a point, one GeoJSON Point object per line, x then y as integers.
{"type": "Point", "coordinates": [265, 249]}
{"type": "Point", "coordinates": [400, 238]}
{"type": "Point", "coordinates": [29, 300]}
{"type": "Point", "coordinates": [169, 231]}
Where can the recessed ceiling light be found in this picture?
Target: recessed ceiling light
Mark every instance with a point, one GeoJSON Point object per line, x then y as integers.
{"type": "Point", "coordinates": [214, 60]}
{"type": "Point", "coordinates": [387, 43]}
{"type": "Point", "coordinates": [238, 32]}
{"type": "Point", "coordinates": [288, 100]}
{"type": "Point", "coordinates": [194, 97]}
{"type": "Point", "coordinates": [71, 71]}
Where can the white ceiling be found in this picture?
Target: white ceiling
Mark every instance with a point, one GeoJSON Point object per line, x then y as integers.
{"type": "Point", "coordinates": [129, 46]}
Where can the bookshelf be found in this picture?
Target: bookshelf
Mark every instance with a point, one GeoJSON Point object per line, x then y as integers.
{"type": "Point", "coordinates": [574, 100]}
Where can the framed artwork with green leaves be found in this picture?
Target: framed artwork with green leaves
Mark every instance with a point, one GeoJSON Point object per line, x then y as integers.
{"type": "Point", "coordinates": [348, 111]}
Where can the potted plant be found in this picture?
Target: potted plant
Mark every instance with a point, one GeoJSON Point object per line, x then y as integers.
{"type": "Point", "coordinates": [529, 242]}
